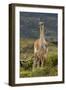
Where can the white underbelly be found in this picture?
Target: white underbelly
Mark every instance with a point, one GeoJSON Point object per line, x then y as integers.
{"type": "Point", "coordinates": [35, 50]}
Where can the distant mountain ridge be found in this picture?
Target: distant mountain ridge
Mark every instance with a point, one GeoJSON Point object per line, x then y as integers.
{"type": "Point", "coordinates": [29, 25]}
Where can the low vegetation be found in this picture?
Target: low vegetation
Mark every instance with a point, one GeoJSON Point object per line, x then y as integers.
{"type": "Point", "coordinates": [26, 60]}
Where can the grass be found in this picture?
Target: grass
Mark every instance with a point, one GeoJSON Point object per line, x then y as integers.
{"type": "Point", "coordinates": [26, 60]}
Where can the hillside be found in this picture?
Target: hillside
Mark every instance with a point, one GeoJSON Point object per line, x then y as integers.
{"type": "Point", "coordinates": [29, 25]}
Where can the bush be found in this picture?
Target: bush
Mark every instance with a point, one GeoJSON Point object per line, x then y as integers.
{"type": "Point", "coordinates": [53, 71]}
{"type": "Point", "coordinates": [25, 74]}
{"type": "Point", "coordinates": [52, 60]}
{"type": "Point", "coordinates": [27, 65]}
{"type": "Point", "coordinates": [49, 69]}
{"type": "Point", "coordinates": [41, 72]}
{"type": "Point", "coordinates": [46, 71]}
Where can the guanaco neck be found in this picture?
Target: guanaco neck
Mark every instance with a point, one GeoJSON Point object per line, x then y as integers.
{"type": "Point", "coordinates": [42, 33]}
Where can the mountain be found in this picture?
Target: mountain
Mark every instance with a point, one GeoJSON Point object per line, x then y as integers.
{"type": "Point", "coordinates": [29, 25]}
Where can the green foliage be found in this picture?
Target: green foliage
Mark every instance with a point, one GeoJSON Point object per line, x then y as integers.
{"type": "Point", "coordinates": [25, 74]}
{"type": "Point", "coordinates": [27, 65]}
{"type": "Point", "coordinates": [26, 62]}
{"type": "Point", "coordinates": [45, 71]}
{"type": "Point", "coordinates": [41, 71]}
{"type": "Point", "coordinates": [52, 60]}
{"type": "Point", "coordinates": [53, 71]}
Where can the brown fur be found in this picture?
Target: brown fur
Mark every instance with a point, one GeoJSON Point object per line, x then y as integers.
{"type": "Point", "coordinates": [40, 49]}
{"type": "Point", "coordinates": [40, 55]}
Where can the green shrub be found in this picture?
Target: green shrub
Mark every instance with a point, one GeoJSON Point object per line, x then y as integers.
{"type": "Point", "coordinates": [26, 54]}
{"type": "Point", "coordinates": [49, 69]}
{"type": "Point", "coordinates": [53, 71]}
{"type": "Point", "coordinates": [27, 64]}
{"type": "Point", "coordinates": [41, 71]}
{"type": "Point", "coordinates": [25, 74]}
{"type": "Point", "coordinates": [45, 71]}
{"type": "Point", "coordinates": [52, 60]}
